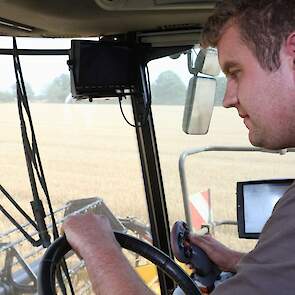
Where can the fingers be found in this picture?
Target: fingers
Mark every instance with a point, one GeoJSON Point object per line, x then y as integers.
{"type": "Point", "coordinates": [225, 258]}
{"type": "Point", "coordinates": [203, 241]}
{"type": "Point", "coordinates": [89, 233]}
{"type": "Point", "coordinates": [86, 223]}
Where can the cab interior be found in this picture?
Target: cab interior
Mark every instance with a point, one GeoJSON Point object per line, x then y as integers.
{"type": "Point", "coordinates": [93, 158]}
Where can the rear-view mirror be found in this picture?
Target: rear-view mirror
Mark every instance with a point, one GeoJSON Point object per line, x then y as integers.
{"type": "Point", "coordinates": [255, 203]}
{"type": "Point", "coordinates": [201, 93]}
{"type": "Point", "coordinates": [199, 105]}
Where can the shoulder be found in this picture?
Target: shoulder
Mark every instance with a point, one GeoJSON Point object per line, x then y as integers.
{"type": "Point", "coordinates": [287, 199]}
{"type": "Point", "coordinates": [270, 265]}
{"type": "Point", "coordinates": [278, 234]}
{"type": "Point", "coordinates": [282, 220]}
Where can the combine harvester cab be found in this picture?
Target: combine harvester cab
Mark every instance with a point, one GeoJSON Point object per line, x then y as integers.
{"type": "Point", "coordinates": [121, 141]}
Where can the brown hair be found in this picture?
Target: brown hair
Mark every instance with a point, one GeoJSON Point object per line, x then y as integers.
{"type": "Point", "coordinates": [264, 26]}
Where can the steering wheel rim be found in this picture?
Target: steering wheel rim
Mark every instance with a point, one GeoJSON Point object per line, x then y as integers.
{"type": "Point", "coordinates": [60, 247]}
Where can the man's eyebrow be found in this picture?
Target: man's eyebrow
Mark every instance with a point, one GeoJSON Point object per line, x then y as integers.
{"type": "Point", "coordinates": [228, 65]}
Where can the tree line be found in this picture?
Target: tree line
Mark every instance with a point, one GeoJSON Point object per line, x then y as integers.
{"type": "Point", "coordinates": [56, 91]}
{"type": "Point", "coordinates": [167, 89]}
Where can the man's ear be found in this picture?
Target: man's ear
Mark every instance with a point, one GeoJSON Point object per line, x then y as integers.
{"type": "Point", "coordinates": [290, 47]}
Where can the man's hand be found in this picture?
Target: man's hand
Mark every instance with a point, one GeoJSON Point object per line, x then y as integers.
{"type": "Point", "coordinates": [225, 258]}
{"type": "Point", "coordinates": [89, 234]}
{"type": "Point", "coordinates": [110, 273]}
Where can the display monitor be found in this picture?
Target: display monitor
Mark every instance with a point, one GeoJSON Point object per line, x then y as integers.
{"type": "Point", "coordinates": [255, 203]}
{"type": "Point", "coordinates": [101, 68]}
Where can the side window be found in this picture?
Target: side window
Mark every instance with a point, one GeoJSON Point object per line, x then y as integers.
{"type": "Point", "coordinates": [213, 173]}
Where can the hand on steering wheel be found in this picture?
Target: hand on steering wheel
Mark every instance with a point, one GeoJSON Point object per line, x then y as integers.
{"type": "Point", "coordinates": [57, 250]}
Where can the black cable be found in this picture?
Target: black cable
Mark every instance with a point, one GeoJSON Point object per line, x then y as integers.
{"type": "Point", "coordinates": [121, 109]}
{"type": "Point", "coordinates": [34, 150]}
{"type": "Point", "coordinates": [19, 208]}
{"type": "Point", "coordinates": [36, 204]}
{"type": "Point", "coordinates": [147, 107]}
{"type": "Point", "coordinates": [31, 152]}
{"type": "Point", "coordinates": [19, 227]}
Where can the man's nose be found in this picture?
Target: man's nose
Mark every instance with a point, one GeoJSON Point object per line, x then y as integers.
{"type": "Point", "coordinates": [230, 97]}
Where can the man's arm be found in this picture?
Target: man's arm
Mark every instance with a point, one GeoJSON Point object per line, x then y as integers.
{"type": "Point", "coordinates": [225, 258]}
{"type": "Point", "coordinates": [92, 238]}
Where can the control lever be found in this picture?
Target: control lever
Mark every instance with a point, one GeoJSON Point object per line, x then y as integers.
{"type": "Point", "coordinates": [205, 271]}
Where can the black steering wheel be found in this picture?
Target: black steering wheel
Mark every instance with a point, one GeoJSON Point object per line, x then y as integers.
{"type": "Point", "coordinates": [57, 250]}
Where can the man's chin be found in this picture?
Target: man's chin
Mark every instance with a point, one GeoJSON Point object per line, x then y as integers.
{"type": "Point", "coordinates": [252, 139]}
{"type": "Point", "coordinates": [264, 143]}
{"type": "Point", "coordinates": [257, 141]}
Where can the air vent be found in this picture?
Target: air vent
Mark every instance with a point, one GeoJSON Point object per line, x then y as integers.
{"type": "Point", "coordinates": [171, 38]}
{"type": "Point", "coordinates": [180, 27]}
{"type": "Point", "coordinates": [181, 2]}
{"type": "Point", "coordinates": [135, 5]}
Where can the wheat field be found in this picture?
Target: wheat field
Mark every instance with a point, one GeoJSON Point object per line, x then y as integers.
{"type": "Point", "coordinates": [88, 150]}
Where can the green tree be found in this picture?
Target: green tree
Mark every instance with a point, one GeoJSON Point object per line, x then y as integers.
{"type": "Point", "coordinates": [6, 96]}
{"type": "Point", "coordinates": [9, 96]}
{"type": "Point", "coordinates": [168, 89]}
{"type": "Point", "coordinates": [57, 90]}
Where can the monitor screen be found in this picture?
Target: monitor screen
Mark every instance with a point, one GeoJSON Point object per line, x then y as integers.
{"type": "Point", "coordinates": [255, 203]}
{"type": "Point", "coordinates": [100, 68]}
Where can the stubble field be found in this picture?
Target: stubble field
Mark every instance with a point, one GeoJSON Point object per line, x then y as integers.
{"type": "Point", "coordinates": [88, 150]}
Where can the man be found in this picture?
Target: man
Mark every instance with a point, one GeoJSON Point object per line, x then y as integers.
{"type": "Point", "coordinates": [256, 45]}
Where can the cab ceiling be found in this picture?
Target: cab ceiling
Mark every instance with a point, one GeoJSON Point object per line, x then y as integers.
{"type": "Point", "coordinates": [85, 18]}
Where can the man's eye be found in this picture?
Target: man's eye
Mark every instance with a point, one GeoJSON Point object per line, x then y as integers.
{"type": "Point", "coordinates": [233, 74]}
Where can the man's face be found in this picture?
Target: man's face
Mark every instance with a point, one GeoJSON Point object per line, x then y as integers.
{"type": "Point", "coordinates": [264, 99]}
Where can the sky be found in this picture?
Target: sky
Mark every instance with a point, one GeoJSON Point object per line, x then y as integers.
{"type": "Point", "coordinates": [41, 70]}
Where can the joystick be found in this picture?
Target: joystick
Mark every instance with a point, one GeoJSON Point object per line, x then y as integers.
{"type": "Point", "coordinates": [205, 271]}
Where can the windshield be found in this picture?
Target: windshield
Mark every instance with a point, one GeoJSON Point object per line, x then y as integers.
{"type": "Point", "coordinates": [90, 154]}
